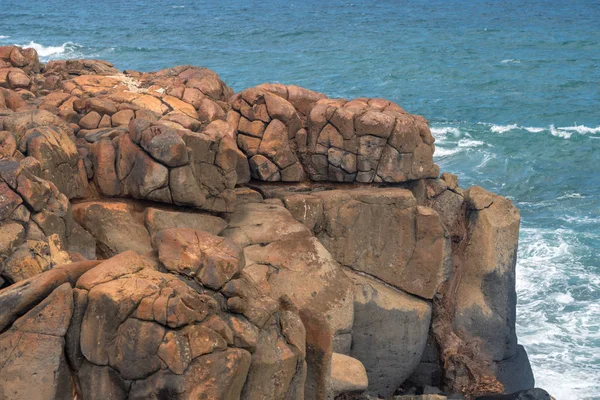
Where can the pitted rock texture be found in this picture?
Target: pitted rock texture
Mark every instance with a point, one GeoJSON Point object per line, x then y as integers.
{"type": "Point", "coordinates": [366, 140]}
{"type": "Point", "coordinates": [35, 221]}
{"type": "Point", "coordinates": [47, 138]}
{"type": "Point", "coordinates": [266, 126]}
{"type": "Point", "coordinates": [287, 133]}
{"type": "Point", "coordinates": [155, 162]}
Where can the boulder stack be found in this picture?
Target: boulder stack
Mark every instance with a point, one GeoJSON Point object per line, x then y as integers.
{"type": "Point", "coordinates": [161, 237]}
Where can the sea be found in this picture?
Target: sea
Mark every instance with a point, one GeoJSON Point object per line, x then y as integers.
{"type": "Point", "coordinates": [511, 90]}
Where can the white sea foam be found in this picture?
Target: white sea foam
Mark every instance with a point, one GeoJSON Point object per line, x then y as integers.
{"type": "Point", "coordinates": [581, 129]}
{"type": "Point", "coordinates": [4, 37]}
{"type": "Point", "coordinates": [564, 298]}
{"type": "Point", "coordinates": [53, 51]}
{"type": "Point", "coordinates": [560, 133]}
{"type": "Point", "coordinates": [442, 152]}
{"type": "Point", "coordinates": [559, 341]}
{"type": "Point", "coordinates": [571, 196]}
{"type": "Point", "coordinates": [510, 61]}
{"type": "Point", "coordinates": [534, 129]}
{"type": "Point", "coordinates": [503, 128]}
{"type": "Point", "coordinates": [177, 6]}
{"type": "Point", "coordinates": [466, 142]}
{"type": "Point", "coordinates": [443, 130]}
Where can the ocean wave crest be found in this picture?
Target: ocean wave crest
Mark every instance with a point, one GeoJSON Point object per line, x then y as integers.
{"type": "Point", "coordinates": [53, 51]}
{"type": "Point", "coordinates": [440, 131]}
{"type": "Point", "coordinates": [443, 152]}
{"type": "Point", "coordinates": [4, 37]}
{"type": "Point", "coordinates": [503, 128]}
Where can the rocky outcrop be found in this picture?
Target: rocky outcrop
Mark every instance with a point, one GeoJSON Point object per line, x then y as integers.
{"type": "Point", "coordinates": [47, 138]}
{"type": "Point", "coordinates": [367, 140]}
{"type": "Point", "coordinates": [289, 132]}
{"type": "Point", "coordinates": [272, 244]}
{"type": "Point", "coordinates": [354, 225]}
{"type": "Point", "coordinates": [159, 163]}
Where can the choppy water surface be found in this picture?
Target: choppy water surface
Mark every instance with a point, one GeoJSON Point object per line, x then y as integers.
{"type": "Point", "coordinates": [512, 91]}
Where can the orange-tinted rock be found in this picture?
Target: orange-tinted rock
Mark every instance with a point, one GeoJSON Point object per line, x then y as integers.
{"type": "Point", "coordinates": [209, 259]}
{"type": "Point", "coordinates": [113, 226]}
{"type": "Point", "coordinates": [122, 118]}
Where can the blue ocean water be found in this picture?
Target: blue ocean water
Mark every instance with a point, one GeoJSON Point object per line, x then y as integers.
{"type": "Point", "coordinates": [511, 89]}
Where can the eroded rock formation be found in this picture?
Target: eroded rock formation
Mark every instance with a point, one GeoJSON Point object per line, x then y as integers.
{"type": "Point", "coordinates": [163, 238]}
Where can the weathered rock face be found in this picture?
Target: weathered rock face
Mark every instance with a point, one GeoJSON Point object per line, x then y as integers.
{"type": "Point", "coordinates": [381, 232]}
{"type": "Point", "coordinates": [45, 137]}
{"type": "Point", "coordinates": [266, 126]}
{"type": "Point", "coordinates": [67, 69]}
{"type": "Point", "coordinates": [288, 133]}
{"type": "Point", "coordinates": [486, 298]}
{"type": "Point", "coordinates": [145, 333]}
{"type": "Point", "coordinates": [475, 312]}
{"type": "Point", "coordinates": [283, 258]}
{"type": "Point", "coordinates": [159, 163]}
{"type": "Point", "coordinates": [35, 221]}
{"type": "Point", "coordinates": [17, 66]}
{"type": "Point", "coordinates": [34, 346]}
{"type": "Point", "coordinates": [114, 226]}
{"type": "Point", "coordinates": [389, 333]}
{"type": "Point", "coordinates": [367, 140]}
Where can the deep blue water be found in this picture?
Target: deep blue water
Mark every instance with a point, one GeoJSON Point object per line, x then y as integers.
{"type": "Point", "coordinates": [511, 89]}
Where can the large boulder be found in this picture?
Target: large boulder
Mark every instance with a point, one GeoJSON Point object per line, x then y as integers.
{"type": "Point", "coordinates": [47, 138]}
{"type": "Point", "coordinates": [367, 140]}
{"type": "Point", "coordinates": [159, 163]}
{"type": "Point", "coordinates": [283, 258]}
{"type": "Point", "coordinates": [355, 226]}
{"type": "Point", "coordinates": [18, 57]}
{"type": "Point", "coordinates": [145, 334]}
{"type": "Point", "coordinates": [114, 226]}
{"type": "Point", "coordinates": [389, 333]}
{"type": "Point", "coordinates": [34, 346]}
{"type": "Point", "coordinates": [486, 297]}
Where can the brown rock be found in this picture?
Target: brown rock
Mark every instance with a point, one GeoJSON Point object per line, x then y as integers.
{"type": "Point", "coordinates": [157, 220]}
{"type": "Point", "coordinates": [215, 376]}
{"type": "Point", "coordinates": [34, 347]}
{"type": "Point", "coordinates": [348, 375]}
{"type": "Point", "coordinates": [90, 121]}
{"type": "Point", "coordinates": [34, 257]}
{"type": "Point", "coordinates": [485, 297]}
{"type": "Point", "coordinates": [122, 118]}
{"type": "Point", "coordinates": [17, 299]}
{"type": "Point", "coordinates": [113, 227]}
{"type": "Point", "coordinates": [408, 254]}
{"type": "Point", "coordinates": [211, 260]}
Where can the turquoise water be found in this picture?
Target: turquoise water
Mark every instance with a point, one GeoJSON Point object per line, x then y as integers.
{"type": "Point", "coordinates": [512, 92]}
